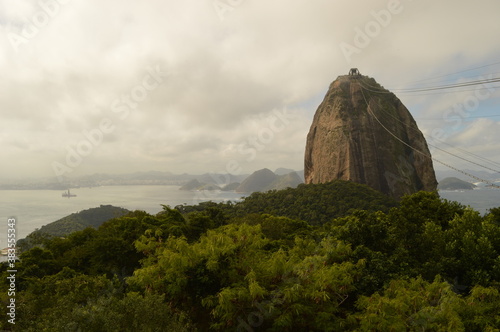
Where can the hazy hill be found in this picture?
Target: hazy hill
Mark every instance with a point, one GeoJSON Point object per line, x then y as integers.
{"type": "Point", "coordinates": [231, 186]}
{"type": "Point", "coordinates": [93, 217]}
{"type": "Point", "coordinates": [194, 184]}
{"type": "Point", "coordinates": [283, 171]}
{"type": "Point", "coordinates": [258, 181]}
{"type": "Point", "coordinates": [455, 184]}
{"type": "Point", "coordinates": [442, 174]}
{"type": "Point", "coordinates": [289, 180]}
{"type": "Point", "coordinates": [265, 179]}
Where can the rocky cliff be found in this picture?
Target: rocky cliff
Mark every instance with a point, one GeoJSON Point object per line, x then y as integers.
{"type": "Point", "coordinates": [363, 133]}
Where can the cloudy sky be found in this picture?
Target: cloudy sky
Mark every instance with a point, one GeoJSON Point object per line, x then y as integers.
{"type": "Point", "coordinates": [228, 85]}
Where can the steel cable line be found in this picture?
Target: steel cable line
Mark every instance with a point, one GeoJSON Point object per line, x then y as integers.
{"type": "Point", "coordinates": [443, 92]}
{"type": "Point", "coordinates": [463, 151]}
{"type": "Point", "coordinates": [452, 74]}
{"type": "Point", "coordinates": [455, 73]}
{"type": "Point", "coordinates": [445, 87]}
{"type": "Point", "coordinates": [373, 89]}
{"type": "Point", "coordinates": [473, 155]}
{"type": "Point", "coordinates": [452, 79]}
{"type": "Point", "coordinates": [462, 158]}
{"type": "Point", "coordinates": [411, 90]}
{"type": "Point", "coordinates": [469, 117]}
{"type": "Point", "coordinates": [451, 86]}
{"type": "Point", "coordinates": [440, 149]}
{"type": "Point", "coordinates": [420, 152]}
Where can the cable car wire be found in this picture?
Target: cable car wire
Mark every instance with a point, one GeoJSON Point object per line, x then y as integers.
{"type": "Point", "coordinates": [417, 150]}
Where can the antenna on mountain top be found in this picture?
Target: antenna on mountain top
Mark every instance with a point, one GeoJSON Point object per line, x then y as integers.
{"type": "Point", "coordinates": [354, 72]}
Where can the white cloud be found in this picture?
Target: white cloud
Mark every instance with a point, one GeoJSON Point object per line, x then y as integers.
{"type": "Point", "coordinates": [479, 132]}
{"type": "Point", "coordinates": [224, 77]}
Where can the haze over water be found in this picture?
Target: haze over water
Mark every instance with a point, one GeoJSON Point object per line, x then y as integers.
{"type": "Point", "coordinates": [35, 208]}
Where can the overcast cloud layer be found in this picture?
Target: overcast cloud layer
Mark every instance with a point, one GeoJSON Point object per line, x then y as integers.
{"type": "Point", "coordinates": [230, 85]}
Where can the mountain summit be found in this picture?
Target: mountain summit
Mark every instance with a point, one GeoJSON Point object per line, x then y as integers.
{"type": "Point", "coordinates": [363, 133]}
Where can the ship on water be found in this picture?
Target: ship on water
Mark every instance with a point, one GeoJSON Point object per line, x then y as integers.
{"type": "Point", "coordinates": [68, 194]}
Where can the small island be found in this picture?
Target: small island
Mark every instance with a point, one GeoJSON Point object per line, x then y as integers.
{"type": "Point", "coordinates": [455, 184]}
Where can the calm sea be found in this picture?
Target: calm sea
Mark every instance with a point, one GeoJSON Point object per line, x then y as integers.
{"type": "Point", "coordinates": [35, 208]}
{"type": "Point", "coordinates": [480, 200]}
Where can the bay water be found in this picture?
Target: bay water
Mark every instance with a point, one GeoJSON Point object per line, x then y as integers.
{"type": "Point", "coordinates": [34, 208]}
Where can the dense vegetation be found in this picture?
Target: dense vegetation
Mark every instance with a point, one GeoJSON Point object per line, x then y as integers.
{"type": "Point", "coordinates": [426, 264]}
{"type": "Point", "coordinates": [314, 203]}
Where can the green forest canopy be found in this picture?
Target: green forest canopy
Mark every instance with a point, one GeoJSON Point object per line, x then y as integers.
{"type": "Point", "coordinates": [332, 257]}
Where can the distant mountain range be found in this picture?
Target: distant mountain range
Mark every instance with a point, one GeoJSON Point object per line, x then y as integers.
{"type": "Point", "coordinates": [221, 181]}
{"type": "Point", "coordinates": [261, 180]}
{"type": "Point", "coordinates": [265, 180]}
{"type": "Point", "coordinates": [206, 181]}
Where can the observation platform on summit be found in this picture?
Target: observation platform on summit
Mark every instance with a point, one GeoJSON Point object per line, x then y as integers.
{"type": "Point", "coordinates": [354, 72]}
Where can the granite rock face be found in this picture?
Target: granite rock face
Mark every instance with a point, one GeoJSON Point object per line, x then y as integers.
{"type": "Point", "coordinates": [347, 140]}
